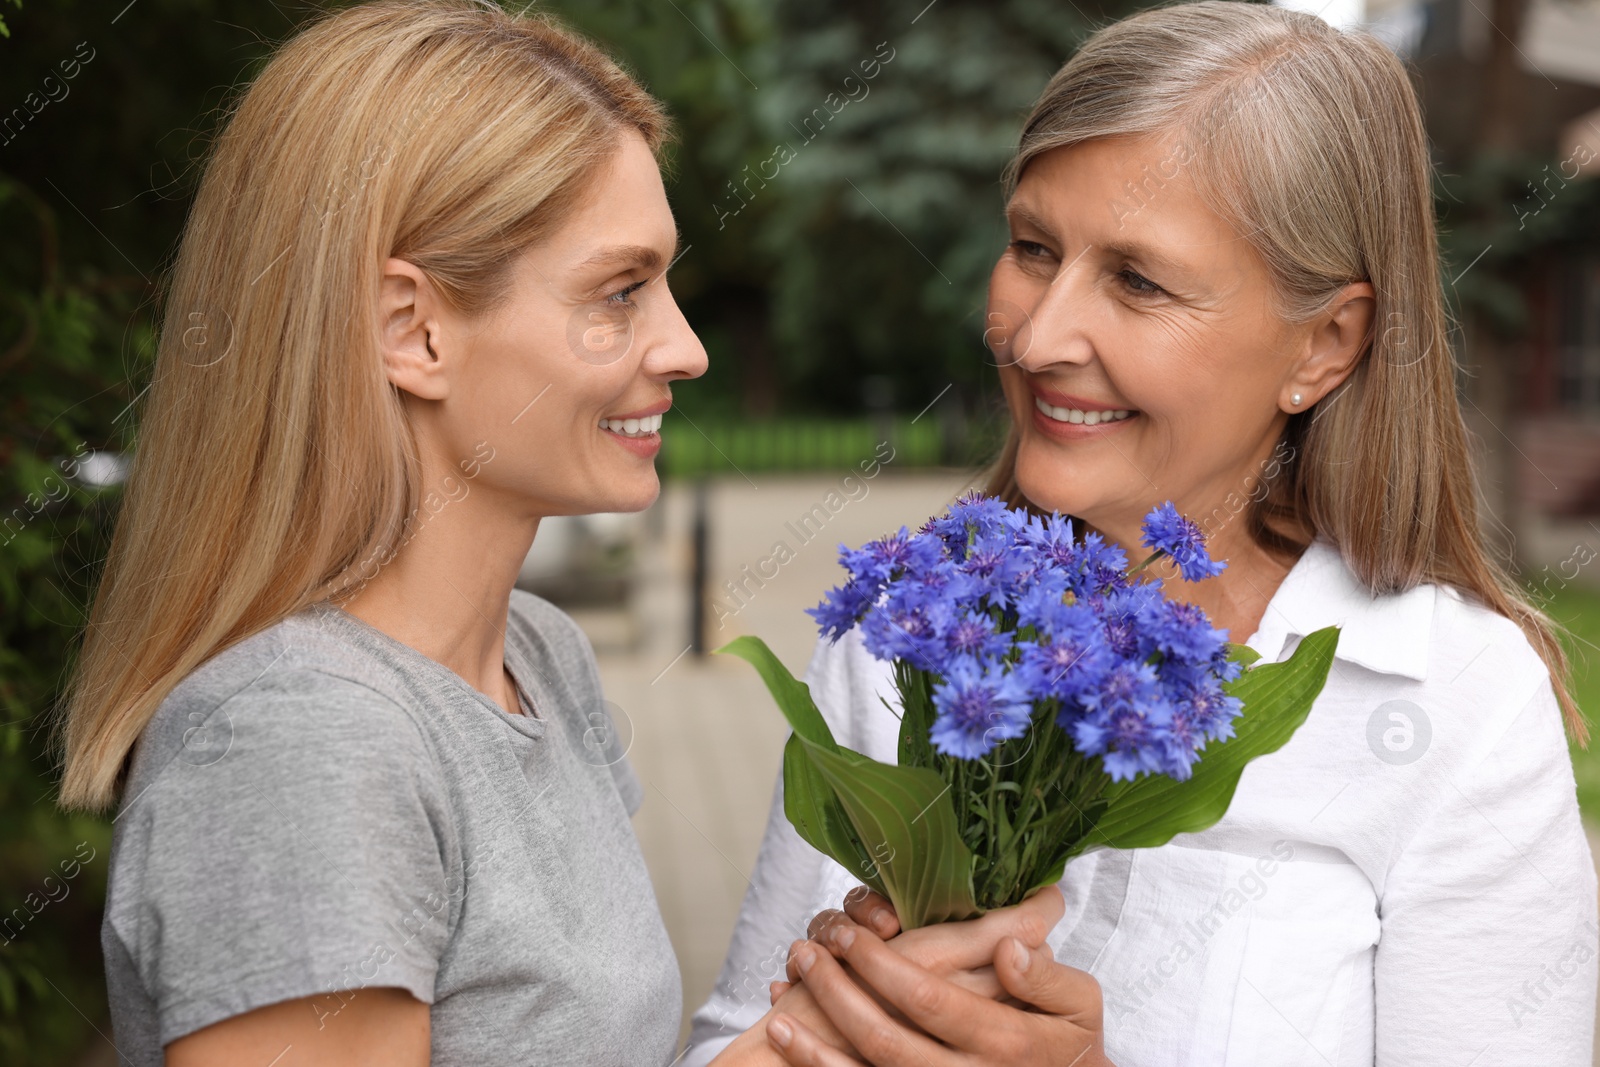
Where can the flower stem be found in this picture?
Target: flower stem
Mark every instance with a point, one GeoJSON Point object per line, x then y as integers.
{"type": "Point", "coordinates": [1157, 554]}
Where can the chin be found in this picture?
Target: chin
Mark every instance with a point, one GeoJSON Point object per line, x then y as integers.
{"type": "Point", "coordinates": [1047, 483]}
{"type": "Point", "coordinates": [632, 498]}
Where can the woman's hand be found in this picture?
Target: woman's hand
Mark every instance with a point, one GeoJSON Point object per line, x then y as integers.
{"type": "Point", "coordinates": [944, 981]}
{"type": "Point", "coordinates": [960, 952]}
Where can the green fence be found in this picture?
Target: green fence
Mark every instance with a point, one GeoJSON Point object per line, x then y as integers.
{"type": "Point", "coordinates": [704, 446]}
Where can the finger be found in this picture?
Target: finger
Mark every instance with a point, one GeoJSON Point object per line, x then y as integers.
{"type": "Point", "coordinates": [867, 908]}
{"type": "Point", "coordinates": [790, 969]}
{"type": "Point", "coordinates": [1033, 976]}
{"type": "Point", "coordinates": [825, 934]}
{"type": "Point", "coordinates": [1034, 918]}
{"type": "Point", "coordinates": [778, 989]}
{"type": "Point", "coordinates": [799, 1045]}
{"type": "Point", "coordinates": [972, 944]}
{"type": "Point", "coordinates": [862, 1022]}
{"type": "Point", "coordinates": [822, 920]}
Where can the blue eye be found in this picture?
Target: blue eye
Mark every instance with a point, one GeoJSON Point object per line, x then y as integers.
{"type": "Point", "coordinates": [622, 296]}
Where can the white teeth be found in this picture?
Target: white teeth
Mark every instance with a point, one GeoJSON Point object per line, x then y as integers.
{"type": "Point", "coordinates": [632, 427]}
{"type": "Point", "coordinates": [1087, 418]}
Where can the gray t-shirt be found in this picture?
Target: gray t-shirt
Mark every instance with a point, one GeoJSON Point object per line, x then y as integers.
{"type": "Point", "coordinates": [321, 808]}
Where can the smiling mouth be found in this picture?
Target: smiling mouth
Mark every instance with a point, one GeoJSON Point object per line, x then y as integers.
{"type": "Point", "coordinates": [1078, 415]}
{"type": "Point", "coordinates": [641, 427]}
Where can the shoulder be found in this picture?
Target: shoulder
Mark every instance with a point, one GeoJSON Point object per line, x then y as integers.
{"type": "Point", "coordinates": [289, 703]}
{"type": "Point", "coordinates": [1482, 660]}
{"type": "Point", "coordinates": [1469, 669]}
{"type": "Point", "coordinates": [285, 823]}
{"type": "Point", "coordinates": [1485, 699]}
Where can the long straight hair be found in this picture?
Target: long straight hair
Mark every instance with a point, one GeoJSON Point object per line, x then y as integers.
{"type": "Point", "coordinates": [273, 455]}
{"type": "Point", "coordinates": [1310, 142]}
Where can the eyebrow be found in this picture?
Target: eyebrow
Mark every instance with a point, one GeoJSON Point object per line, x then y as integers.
{"type": "Point", "coordinates": [1126, 249]}
{"type": "Point", "coordinates": [641, 256]}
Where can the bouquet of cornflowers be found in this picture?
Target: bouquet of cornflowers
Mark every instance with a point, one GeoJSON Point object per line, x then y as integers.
{"type": "Point", "coordinates": [1051, 701]}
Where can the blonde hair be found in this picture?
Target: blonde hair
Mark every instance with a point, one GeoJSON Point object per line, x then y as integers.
{"type": "Point", "coordinates": [273, 454]}
{"type": "Point", "coordinates": [1310, 142]}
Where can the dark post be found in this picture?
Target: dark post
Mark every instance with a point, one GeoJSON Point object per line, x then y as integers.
{"type": "Point", "coordinates": [698, 570]}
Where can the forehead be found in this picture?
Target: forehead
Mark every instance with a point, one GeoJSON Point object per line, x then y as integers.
{"type": "Point", "coordinates": [626, 208]}
{"type": "Point", "coordinates": [1126, 193]}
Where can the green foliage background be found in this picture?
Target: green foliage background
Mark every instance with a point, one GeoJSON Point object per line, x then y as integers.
{"type": "Point", "coordinates": [852, 280]}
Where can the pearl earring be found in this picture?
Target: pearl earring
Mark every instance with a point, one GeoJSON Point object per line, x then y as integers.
{"type": "Point", "coordinates": [1294, 401]}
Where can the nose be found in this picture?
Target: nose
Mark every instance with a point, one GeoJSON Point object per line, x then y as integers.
{"type": "Point", "coordinates": [1057, 329]}
{"type": "Point", "coordinates": [677, 352]}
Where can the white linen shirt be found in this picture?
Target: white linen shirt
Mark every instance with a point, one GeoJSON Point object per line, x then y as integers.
{"type": "Point", "coordinates": [1405, 883]}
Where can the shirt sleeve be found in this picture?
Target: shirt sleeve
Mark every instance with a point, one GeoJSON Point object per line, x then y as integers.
{"type": "Point", "coordinates": [790, 883]}
{"type": "Point", "coordinates": [315, 855]}
{"type": "Point", "coordinates": [1488, 951]}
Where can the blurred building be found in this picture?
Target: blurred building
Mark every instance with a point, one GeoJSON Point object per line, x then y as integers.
{"type": "Point", "coordinates": [1544, 105]}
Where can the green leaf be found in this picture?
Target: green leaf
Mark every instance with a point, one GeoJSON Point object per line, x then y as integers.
{"type": "Point", "coordinates": [1151, 810]}
{"type": "Point", "coordinates": [809, 802]}
{"type": "Point", "coordinates": [793, 696]}
{"type": "Point", "coordinates": [903, 816]}
{"type": "Point", "coordinates": [817, 816]}
{"type": "Point", "coordinates": [894, 827]}
{"type": "Point", "coordinates": [1242, 654]}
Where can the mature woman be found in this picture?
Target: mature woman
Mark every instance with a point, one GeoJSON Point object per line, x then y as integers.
{"type": "Point", "coordinates": [1223, 288]}
{"type": "Point", "coordinates": [362, 815]}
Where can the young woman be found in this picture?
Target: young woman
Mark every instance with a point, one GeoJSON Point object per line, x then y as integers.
{"type": "Point", "coordinates": [362, 817]}
{"type": "Point", "coordinates": [1223, 288]}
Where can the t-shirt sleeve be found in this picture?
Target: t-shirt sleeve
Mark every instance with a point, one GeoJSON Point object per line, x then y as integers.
{"type": "Point", "coordinates": [307, 850]}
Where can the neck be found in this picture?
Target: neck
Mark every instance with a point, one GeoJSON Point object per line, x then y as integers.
{"type": "Point", "coordinates": [447, 591]}
{"type": "Point", "coordinates": [1235, 600]}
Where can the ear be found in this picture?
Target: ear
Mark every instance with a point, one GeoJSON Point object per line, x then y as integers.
{"type": "Point", "coordinates": [413, 350]}
{"type": "Point", "coordinates": [1337, 338]}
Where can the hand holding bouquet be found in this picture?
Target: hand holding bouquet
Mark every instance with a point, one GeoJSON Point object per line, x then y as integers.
{"type": "Point", "coordinates": [1051, 702]}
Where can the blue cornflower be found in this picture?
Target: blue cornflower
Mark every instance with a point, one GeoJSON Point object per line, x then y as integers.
{"type": "Point", "coordinates": [1070, 659]}
{"type": "Point", "coordinates": [908, 626]}
{"type": "Point", "coordinates": [843, 606]}
{"type": "Point", "coordinates": [1006, 613]}
{"type": "Point", "coordinates": [880, 559]}
{"type": "Point", "coordinates": [977, 708]}
{"type": "Point", "coordinates": [1128, 615]}
{"type": "Point", "coordinates": [972, 515]}
{"type": "Point", "coordinates": [1210, 709]}
{"type": "Point", "coordinates": [1181, 742]}
{"type": "Point", "coordinates": [976, 636]}
{"type": "Point", "coordinates": [1167, 531]}
{"type": "Point", "coordinates": [1044, 604]}
{"type": "Point", "coordinates": [1104, 567]}
{"type": "Point", "coordinates": [1052, 539]}
{"type": "Point", "coordinates": [998, 566]}
{"type": "Point", "coordinates": [1183, 631]}
{"type": "Point", "coordinates": [1213, 710]}
{"type": "Point", "coordinates": [1125, 722]}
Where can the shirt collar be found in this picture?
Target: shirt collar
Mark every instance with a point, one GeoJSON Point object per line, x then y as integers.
{"type": "Point", "coordinates": [1389, 633]}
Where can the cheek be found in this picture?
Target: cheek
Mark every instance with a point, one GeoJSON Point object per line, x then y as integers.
{"type": "Point", "coordinates": [1181, 369]}
{"type": "Point", "coordinates": [1018, 399]}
